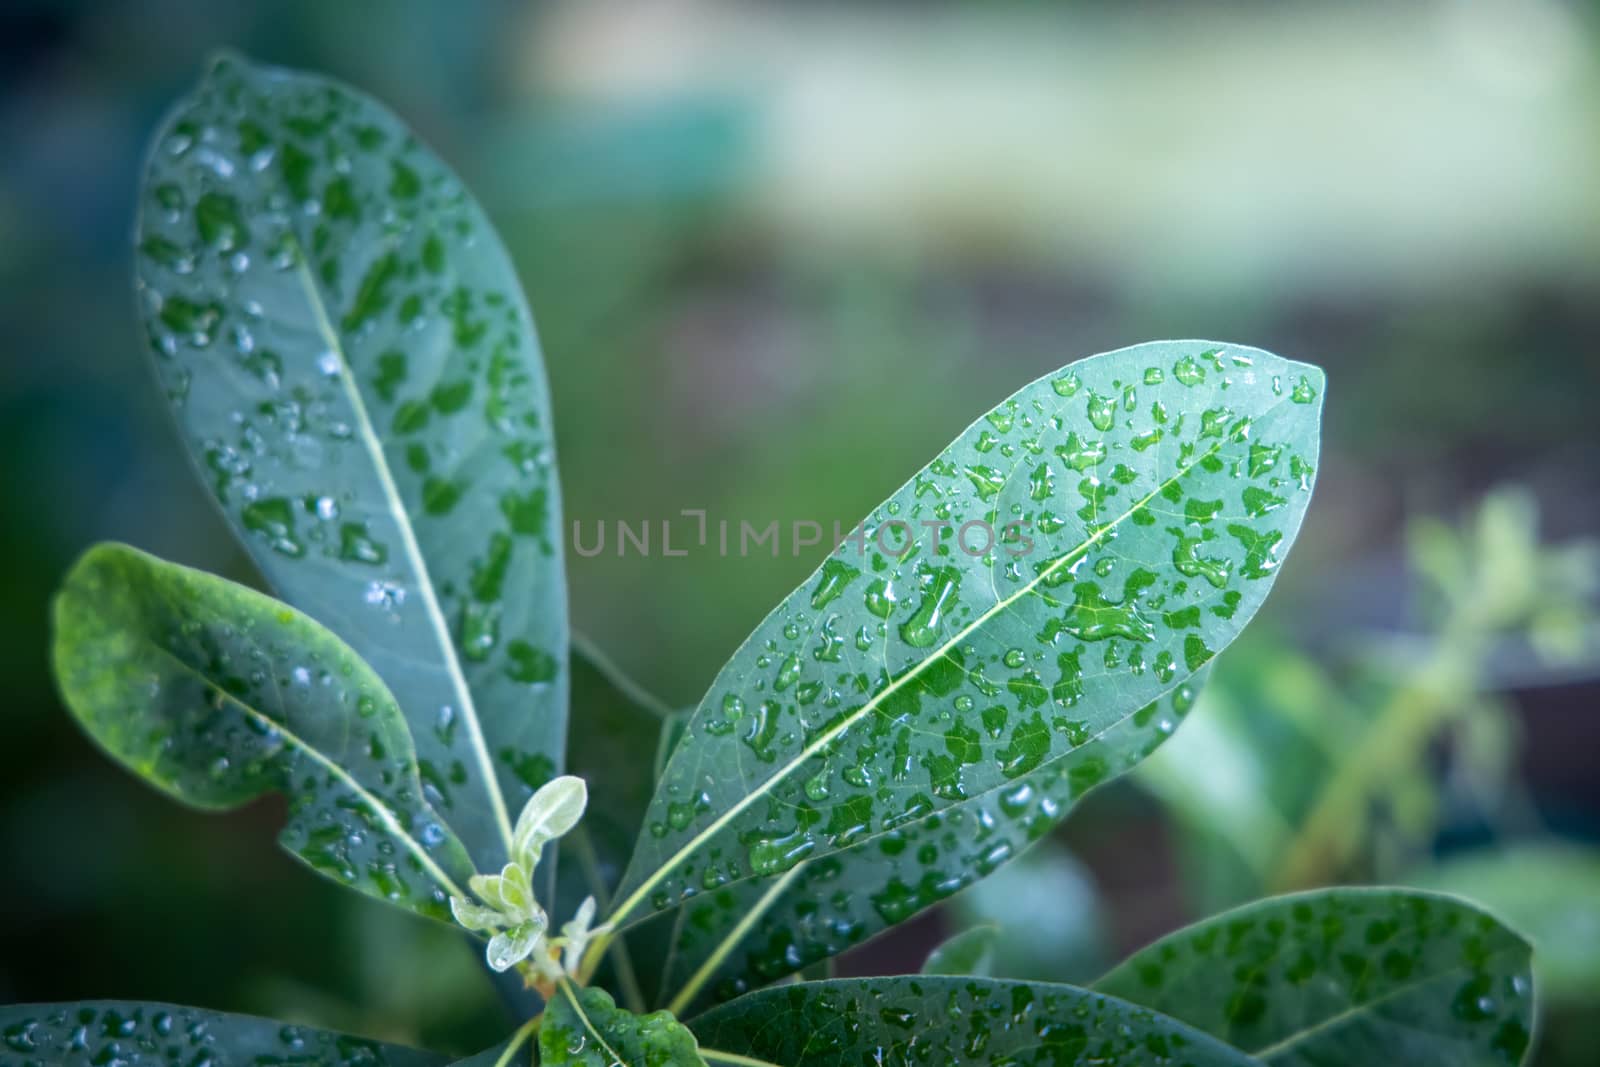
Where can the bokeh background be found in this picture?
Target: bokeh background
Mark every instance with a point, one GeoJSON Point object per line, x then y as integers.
{"type": "Point", "coordinates": [780, 255]}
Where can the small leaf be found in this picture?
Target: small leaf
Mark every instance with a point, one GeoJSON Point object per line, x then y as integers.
{"type": "Point", "coordinates": [951, 1022]}
{"type": "Point", "coordinates": [217, 694]}
{"type": "Point", "coordinates": [578, 932]}
{"type": "Point", "coordinates": [95, 1033]}
{"type": "Point", "coordinates": [585, 1028]}
{"type": "Point", "coordinates": [969, 952]}
{"type": "Point", "coordinates": [510, 947]}
{"type": "Point", "coordinates": [475, 917]}
{"type": "Point", "coordinates": [550, 813]}
{"type": "Point", "coordinates": [1345, 976]}
{"type": "Point", "coordinates": [354, 369]}
{"type": "Point", "coordinates": [487, 888]}
{"type": "Point", "coordinates": [906, 679]}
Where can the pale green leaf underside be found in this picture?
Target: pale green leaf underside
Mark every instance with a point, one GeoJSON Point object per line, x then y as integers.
{"type": "Point", "coordinates": [217, 694]}
{"type": "Point", "coordinates": [97, 1033]}
{"type": "Point", "coordinates": [954, 1022]}
{"type": "Point", "coordinates": [583, 1027]}
{"type": "Point", "coordinates": [1162, 484]}
{"type": "Point", "coordinates": [1345, 976]}
{"type": "Point", "coordinates": [352, 364]}
{"type": "Point", "coordinates": [970, 952]}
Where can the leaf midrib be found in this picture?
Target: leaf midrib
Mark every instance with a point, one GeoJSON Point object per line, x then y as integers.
{"type": "Point", "coordinates": [833, 733]}
{"type": "Point", "coordinates": [1354, 1011]}
{"type": "Point", "coordinates": [384, 813]}
{"type": "Point", "coordinates": [588, 1024]}
{"type": "Point", "coordinates": [746, 923]}
{"type": "Point", "coordinates": [413, 551]}
{"type": "Point", "coordinates": [957, 806]}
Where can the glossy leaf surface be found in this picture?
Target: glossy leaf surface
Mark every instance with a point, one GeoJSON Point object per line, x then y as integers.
{"type": "Point", "coordinates": [1549, 890]}
{"type": "Point", "coordinates": [1141, 502]}
{"type": "Point", "coordinates": [951, 1021]}
{"type": "Point", "coordinates": [583, 1027]}
{"type": "Point", "coordinates": [217, 694]}
{"type": "Point", "coordinates": [353, 367]}
{"type": "Point", "coordinates": [1345, 976]}
{"type": "Point", "coordinates": [756, 935]}
{"type": "Point", "coordinates": [138, 1034]}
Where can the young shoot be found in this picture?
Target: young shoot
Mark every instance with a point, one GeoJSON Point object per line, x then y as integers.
{"type": "Point", "coordinates": [510, 913]}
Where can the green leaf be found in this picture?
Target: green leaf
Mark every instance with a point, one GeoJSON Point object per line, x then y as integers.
{"type": "Point", "coordinates": [1052, 924]}
{"type": "Point", "coordinates": [1345, 976]}
{"type": "Point", "coordinates": [354, 369]}
{"type": "Point", "coordinates": [754, 931]}
{"type": "Point", "coordinates": [217, 694]}
{"type": "Point", "coordinates": [948, 1021]}
{"type": "Point", "coordinates": [1163, 485]}
{"type": "Point", "coordinates": [1550, 891]}
{"type": "Point", "coordinates": [94, 1033]}
{"type": "Point", "coordinates": [585, 1028]}
{"type": "Point", "coordinates": [969, 952]}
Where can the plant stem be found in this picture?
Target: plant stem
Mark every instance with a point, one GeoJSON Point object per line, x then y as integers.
{"type": "Point", "coordinates": [1389, 746]}
{"type": "Point", "coordinates": [524, 1032]}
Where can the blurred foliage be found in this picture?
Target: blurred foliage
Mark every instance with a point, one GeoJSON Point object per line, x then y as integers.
{"type": "Point", "coordinates": [741, 226]}
{"type": "Point", "coordinates": [1297, 776]}
{"type": "Point", "coordinates": [1046, 915]}
{"type": "Point", "coordinates": [1292, 775]}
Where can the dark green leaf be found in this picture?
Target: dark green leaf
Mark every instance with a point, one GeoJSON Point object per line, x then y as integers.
{"type": "Point", "coordinates": [98, 1033]}
{"type": "Point", "coordinates": [519, 1048]}
{"type": "Point", "coordinates": [1550, 891]}
{"type": "Point", "coordinates": [969, 952]}
{"type": "Point", "coordinates": [754, 931]}
{"type": "Point", "coordinates": [1345, 976]}
{"type": "Point", "coordinates": [1163, 485]}
{"type": "Point", "coordinates": [949, 1022]}
{"type": "Point", "coordinates": [352, 364]}
{"type": "Point", "coordinates": [585, 1028]}
{"type": "Point", "coordinates": [612, 751]}
{"type": "Point", "coordinates": [217, 694]}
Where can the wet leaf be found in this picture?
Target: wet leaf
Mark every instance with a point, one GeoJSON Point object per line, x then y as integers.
{"type": "Point", "coordinates": [550, 814]}
{"type": "Point", "coordinates": [820, 909]}
{"type": "Point", "coordinates": [1549, 890]}
{"type": "Point", "coordinates": [355, 371]}
{"type": "Point", "coordinates": [584, 1028]}
{"type": "Point", "coordinates": [1345, 976]}
{"type": "Point", "coordinates": [1160, 487]}
{"type": "Point", "coordinates": [950, 1021]}
{"type": "Point", "coordinates": [95, 1033]}
{"type": "Point", "coordinates": [217, 694]}
{"type": "Point", "coordinates": [969, 952]}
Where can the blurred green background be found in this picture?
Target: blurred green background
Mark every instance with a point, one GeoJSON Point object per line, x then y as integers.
{"type": "Point", "coordinates": [780, 255]}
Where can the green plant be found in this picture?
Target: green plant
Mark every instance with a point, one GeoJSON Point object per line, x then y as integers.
{"type": "Point", "coordinates": [356, 374]}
